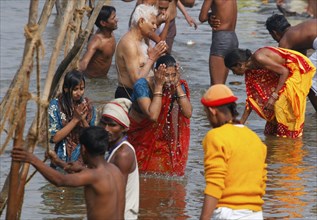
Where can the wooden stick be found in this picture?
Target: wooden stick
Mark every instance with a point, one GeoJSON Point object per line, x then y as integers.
{"type": "Point", "coordinates": [14, 200]}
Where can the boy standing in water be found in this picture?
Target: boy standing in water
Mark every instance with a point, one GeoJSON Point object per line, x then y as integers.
{"type": "Point", "coordinates": [234, 161]}
{"type": "Point", "coordinates": [97, 60]}
{"type": "Point", "coordinates": [102, 181]}
{"type": "Point", "coordinates": [222, 17]}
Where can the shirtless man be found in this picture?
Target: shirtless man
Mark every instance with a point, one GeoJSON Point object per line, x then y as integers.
{"type": "Point", "coordinates": [300, 37]}
{"type": "Point", "coordinates": [102, 181]}
{"type": "Point", "coordinates": [134, 59]}
{"type": "Point", "coordinates": [170, 14]}
{"type": "Point", "coordinates": [222, 17]}
{"type": "Point", "coordinates": [97, 60]}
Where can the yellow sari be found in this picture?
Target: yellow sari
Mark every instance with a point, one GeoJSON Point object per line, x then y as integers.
{"type": "Point", "coordinates": [288, 117]}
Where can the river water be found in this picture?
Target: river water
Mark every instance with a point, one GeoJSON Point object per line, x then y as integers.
{"type": "Point", "coordinates": [292, 179]}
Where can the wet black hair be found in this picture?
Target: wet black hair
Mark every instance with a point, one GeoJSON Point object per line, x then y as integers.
{"type": "Point", "coordinates": [71, 80]}
{"type": "Point", "coordinates": [237, 56]}
{"type": "Point", "coordinates": [277, 23]}
{"type": "Point", "coordinates": [95, 139]}
{"type": "Point", "coordinates": [104, 14]}
{"type": "Point", "coordinates": [168, 60]}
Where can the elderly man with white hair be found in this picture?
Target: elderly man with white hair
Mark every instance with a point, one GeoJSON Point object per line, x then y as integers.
{"type": "Point", "coordinates": [134, 58]}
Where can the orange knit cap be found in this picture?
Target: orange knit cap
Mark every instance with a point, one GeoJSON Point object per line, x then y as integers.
{"type": "Point", "coordinates": [218, 95]}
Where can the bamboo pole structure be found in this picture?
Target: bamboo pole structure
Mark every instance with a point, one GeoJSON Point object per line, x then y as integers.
{"type": "Point", "coordinates": [32, 40]}
{"type": "Point", "coordinates": [74, 26]}
{"type": "Point", "coordinates": [16, 197]}
{"type": "Point", "coordinates": [59, 42]}
{"type": "Point", "coordinates": [13, 199]}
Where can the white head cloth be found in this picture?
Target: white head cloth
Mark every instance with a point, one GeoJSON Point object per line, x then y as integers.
{"type": "Point", "coordinates": [117, 110]}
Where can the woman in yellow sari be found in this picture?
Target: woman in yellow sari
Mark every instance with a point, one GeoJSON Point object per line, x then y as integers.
{"type": "Point", "coordinates": [277, 83]}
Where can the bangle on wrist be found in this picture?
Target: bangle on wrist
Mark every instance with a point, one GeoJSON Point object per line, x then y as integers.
{"type": "Point", "coordinates": [182, 96]}
{"type": "Point", "coordinates": [158, 94]}
{"type": "Point", "coordinates": [275, 96]}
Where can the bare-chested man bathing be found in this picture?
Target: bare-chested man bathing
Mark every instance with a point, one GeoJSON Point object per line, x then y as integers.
{"type": "Point", "coordinates": [97, 60]}
{"type": "Point", "coordinates": [134, 59]}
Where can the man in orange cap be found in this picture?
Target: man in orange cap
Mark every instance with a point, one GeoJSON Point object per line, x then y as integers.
{"type": "Point", "coordinates": [234, 161]}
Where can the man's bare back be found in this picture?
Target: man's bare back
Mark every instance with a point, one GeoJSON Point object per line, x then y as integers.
{"type": "Point", "coordinates": [108, 187]}
{"type": "Point", "coordinates": [300, 37]}
{"type": "Point", "coordinates": [103, 182]}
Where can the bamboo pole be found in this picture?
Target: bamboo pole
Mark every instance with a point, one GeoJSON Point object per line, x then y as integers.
{"type": "Point", "coordinates": [6, 103]}
{"type": "Point", "coordinates": [57, 47]}
{"type": "Point", "coordinates": [14, 199]}
{"type": "Point", "coordinates": [32, 142]}
{"type": "Point", "coordinates": [29, 47]}
{"type": "Point", "coordinates": [74, 26]}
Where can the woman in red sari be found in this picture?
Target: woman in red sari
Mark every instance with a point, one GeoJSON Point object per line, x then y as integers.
{"type": "Point", "coordinates": [160, 120]}
{"type": "Point", "coordinates": [277, 83]}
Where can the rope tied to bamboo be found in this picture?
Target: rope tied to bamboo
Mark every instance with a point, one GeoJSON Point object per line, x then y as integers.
{"type": "Point", "coordinates": [42, 102]}
{"type": "Point", "coordinates": [30, 32]}
{"type": "Point", "coordinates": [71, 27]}
{"type": "Point", "coordinates": [81, 11]}
{"type": "Point", "coordinates": [87, 9]}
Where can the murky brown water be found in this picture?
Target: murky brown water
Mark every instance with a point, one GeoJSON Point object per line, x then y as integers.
{"type": "Point", "coordinates": [292, 178]}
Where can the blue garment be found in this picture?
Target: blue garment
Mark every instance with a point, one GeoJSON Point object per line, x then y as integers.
{"type": "Point", "coordinates": [56, 118]}
{"type": "Point", "coordinates": [142, 89]}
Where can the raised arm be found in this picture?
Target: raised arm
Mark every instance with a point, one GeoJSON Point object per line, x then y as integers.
{"type": "Point", "coordinates": [133, 68]}
{"type": "Point", "coordinates": [53, 176]}
{"type": "Point", "coordinates": [182, 97]}
{"type": "Point", "coordinates": [152, 107]}
{"type": "Point", "coordinates": [59, 133]}
{"type": "Point", "coordinates": [91, 50]}
{"type": "Point", "coordinates": [205, 8]}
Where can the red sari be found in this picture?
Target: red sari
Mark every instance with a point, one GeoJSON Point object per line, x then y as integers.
{"type": "Point", "coordinates": [287, 119]}
{"type": "Point", "coordinates": [162, 146]}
